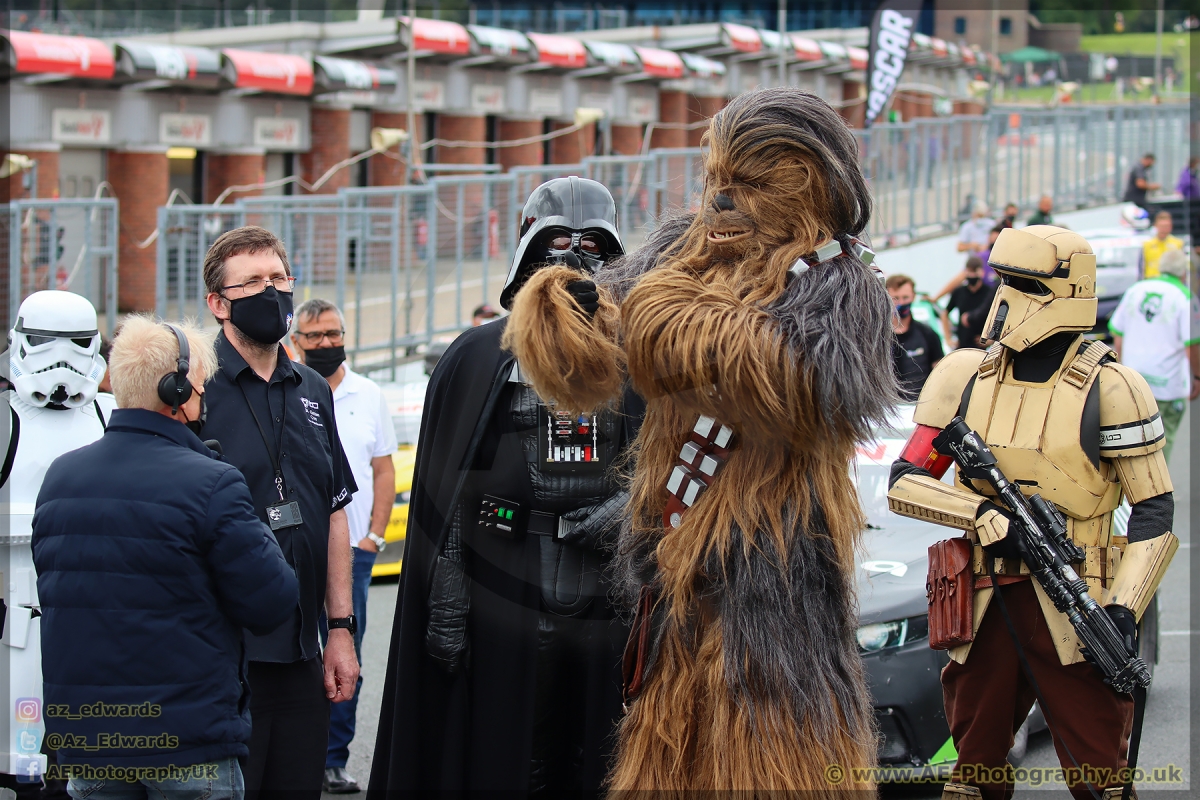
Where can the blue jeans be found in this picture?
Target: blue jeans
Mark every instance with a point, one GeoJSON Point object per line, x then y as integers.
{"type": "Point", "coordinates": [342, 715]}
{"type": "Point", "coordinates": [220, 780]}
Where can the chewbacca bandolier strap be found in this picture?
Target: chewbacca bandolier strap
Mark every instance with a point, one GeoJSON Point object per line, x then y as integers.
{"type": "Point", "coordinates": [700, 459]}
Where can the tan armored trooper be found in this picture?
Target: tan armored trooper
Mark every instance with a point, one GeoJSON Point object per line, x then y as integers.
{"type": "Point", "coordinates": [1068, 422]}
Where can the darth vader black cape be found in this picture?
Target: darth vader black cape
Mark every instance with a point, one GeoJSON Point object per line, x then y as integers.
{"type": "Point", "coordinates": [472, 731]}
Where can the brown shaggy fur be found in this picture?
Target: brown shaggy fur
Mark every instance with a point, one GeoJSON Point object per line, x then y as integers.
{"type": "Point", "coordinates": [571, 359]}
{"type": "Point", "coordinates": [701, 332]}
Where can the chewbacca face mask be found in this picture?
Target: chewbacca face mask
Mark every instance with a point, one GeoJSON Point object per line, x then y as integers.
{"type": "Point", "coordinates": [781, 179]}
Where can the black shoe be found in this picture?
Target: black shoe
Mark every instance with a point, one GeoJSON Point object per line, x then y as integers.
{"type": "Point", "coordinates": [338, 781]}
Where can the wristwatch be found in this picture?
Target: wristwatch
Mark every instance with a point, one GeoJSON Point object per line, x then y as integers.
{"type": "Point", "coordinates": [379, 541]}
{"type": "Point", "coordinates": [350, 623]}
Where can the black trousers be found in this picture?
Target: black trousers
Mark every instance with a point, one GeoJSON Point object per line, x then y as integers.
{"type": "Point", "coordinates": [290, 717]}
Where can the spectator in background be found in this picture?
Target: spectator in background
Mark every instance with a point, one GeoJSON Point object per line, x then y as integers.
{"type": "Point", "coordinates": [973, 234]}
{"type": "Point", "coordinates": [1162, 242]}
{"type": "Point", "coordinates": [1010, 215]}
{"type": "Point", "coordinates": [369, 439]}
{"type": "Point", "coordinates": [1152, 330]}
{"type": "Point", "coordinates": [276, 422]}
{"type": "Point", "coordinates": [1189, 183]}
{"type": "Point", "coordinates": [150, 563]}
{"type": "Point", "coordinates": [973, 300]}
{"type": "Point", "coordinates": [1139, 182]}
{"type": "Point", "coordinates": [918, 347]}
{"type": "Point", "coordinates": [482, 314]}
{"type": "Point", "coordinates": [989, 274]}
{"type": "Point", "coordinates": [1043, 215]}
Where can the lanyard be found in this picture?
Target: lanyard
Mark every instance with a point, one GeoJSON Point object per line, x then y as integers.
{"type": "Point", "coordinates": [263, 433]}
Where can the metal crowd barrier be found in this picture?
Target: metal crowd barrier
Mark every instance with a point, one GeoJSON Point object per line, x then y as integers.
{"type": "Point", "coordinates": [409, 263]}
{"type": "Point", "coordinates": [61, 244]}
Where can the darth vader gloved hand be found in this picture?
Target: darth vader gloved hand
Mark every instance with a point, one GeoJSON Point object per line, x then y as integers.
{"type": "Point", "coordinates": [596, 527]}
{"type": "Point", "coordinates": [586, 296]}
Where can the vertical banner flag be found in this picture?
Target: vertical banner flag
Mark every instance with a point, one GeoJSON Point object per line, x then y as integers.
{"type": "Point", "coordinates": [891, 31]}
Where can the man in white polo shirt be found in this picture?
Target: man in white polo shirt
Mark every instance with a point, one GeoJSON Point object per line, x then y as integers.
{"type": "Point", "coordinates": [369, 439]}
{"type": "Point", "coordinates": [1157, 320]}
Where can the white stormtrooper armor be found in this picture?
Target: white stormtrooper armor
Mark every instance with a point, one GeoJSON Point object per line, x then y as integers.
{"type": "Point", "coordinates": [52, 408]}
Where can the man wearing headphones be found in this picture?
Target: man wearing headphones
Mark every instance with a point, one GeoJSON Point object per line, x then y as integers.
{"type": "Point", "coordinates": [150, 563]}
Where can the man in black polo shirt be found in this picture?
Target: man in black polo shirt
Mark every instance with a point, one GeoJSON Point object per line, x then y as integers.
{"type": "Point", "coordinates": [918, 348]}
{"type": "Point", "coordinates": [973, 299]}
{"type": "Point", "coordinates": [275, 422]}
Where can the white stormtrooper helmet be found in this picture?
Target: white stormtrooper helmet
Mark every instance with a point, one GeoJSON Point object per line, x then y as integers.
{"type": "Point", "coordinates": [54, 350]}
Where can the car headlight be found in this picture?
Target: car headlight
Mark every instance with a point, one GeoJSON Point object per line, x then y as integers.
{"type": "Point", "coordinates": [401, 498]}
{"type": "Point", "coordinates": [882, 635]}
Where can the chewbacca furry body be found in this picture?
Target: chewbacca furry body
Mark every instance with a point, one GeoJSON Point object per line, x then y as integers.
{"type": "Point", "coordinates": [755, 681]}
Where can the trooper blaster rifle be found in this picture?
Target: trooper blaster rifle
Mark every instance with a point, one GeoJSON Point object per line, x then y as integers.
{"type": "Point", "coordinates": [1040, 537]}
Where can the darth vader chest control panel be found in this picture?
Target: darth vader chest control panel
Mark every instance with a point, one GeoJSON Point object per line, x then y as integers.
{"type": "Point", "coordinates": [570, 442]}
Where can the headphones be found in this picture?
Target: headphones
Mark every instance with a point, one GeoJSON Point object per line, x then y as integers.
{"type": "Point", "coordinates": [174, 388]}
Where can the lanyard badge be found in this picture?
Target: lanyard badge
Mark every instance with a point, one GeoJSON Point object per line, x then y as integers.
{"type": "Point", "coordinates": [282, 514]}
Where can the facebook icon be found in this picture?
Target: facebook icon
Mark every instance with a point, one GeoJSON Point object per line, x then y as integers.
{"type": "Point", "coordinates": [29, 769]}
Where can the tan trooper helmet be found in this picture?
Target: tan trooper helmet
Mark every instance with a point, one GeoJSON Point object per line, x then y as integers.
{"type": "Point", "coordinates": [1048, 285]}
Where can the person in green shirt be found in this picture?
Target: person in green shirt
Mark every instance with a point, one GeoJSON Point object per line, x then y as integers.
{"type": "Point", "coordinates": [1043, 216]}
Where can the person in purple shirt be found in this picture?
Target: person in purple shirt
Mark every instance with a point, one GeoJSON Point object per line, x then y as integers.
{"type": "Point", "coordinates": [1189, 184]}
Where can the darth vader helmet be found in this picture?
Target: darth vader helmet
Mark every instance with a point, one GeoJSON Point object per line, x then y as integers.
{"type": "Point", "coordinates": [569, 221]}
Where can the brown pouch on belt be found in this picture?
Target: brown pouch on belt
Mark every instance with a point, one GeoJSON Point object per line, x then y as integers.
{"type": "Point", "coordinates": [949, 590]}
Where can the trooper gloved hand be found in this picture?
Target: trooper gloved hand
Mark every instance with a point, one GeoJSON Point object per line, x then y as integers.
{"type": "Point", "coordinates": [997, 531]}
{"type": "Point", "coordinates": [585, 295]}
{"type": "Point", "coordinates": [1126, 624]}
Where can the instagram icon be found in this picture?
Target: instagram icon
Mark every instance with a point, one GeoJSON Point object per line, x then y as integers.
{"type": "Point", "coordinates": [28, 709]}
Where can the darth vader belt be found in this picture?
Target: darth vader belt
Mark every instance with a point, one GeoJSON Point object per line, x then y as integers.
{"type": "Point", "coordinates": [700, 459]}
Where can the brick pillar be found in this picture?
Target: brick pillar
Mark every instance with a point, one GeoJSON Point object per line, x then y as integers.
{"type": "Point", "coordinates": [701, 108]}
{"type": "Point", "coordinates": [526, 155]}
{"type": "Point", "coordinates": [572, 147]}
{"type": "Point", "coordinates": [463, 129]}
{"type": "Point", "coordinates": [672, 109]}
{"type": "Point", "coordinates": [13, 187]}
{"type": "Point", "coordinates": [140, 180]}
{"type": "Point", "coordinates": [384, 170]}
{"type": "Point", "coordinates": [330, 143]}
{"type": "Point", "coordinates": [855, 113]}
{"type": "Point", "coordinates": [627, 140]}
{"type": "Point", "coordinates": [233, 168]}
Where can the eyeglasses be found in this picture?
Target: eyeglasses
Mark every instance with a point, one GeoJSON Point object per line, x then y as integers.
{"type": "Point", "coordinates": [258, 285]}
{"type": "Point", "coordinates": [315, 337]}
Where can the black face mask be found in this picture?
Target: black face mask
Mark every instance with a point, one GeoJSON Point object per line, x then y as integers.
{"type": "Point", "coordinates": [264, 317]}
{"type": "Point", "coordinates": [196, 425]}
{"type": "Point", "coordinates": [974, 280]}
{"type": "Point", "coordinates": [325, 360]}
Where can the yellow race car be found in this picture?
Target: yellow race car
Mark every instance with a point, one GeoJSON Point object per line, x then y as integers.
{"type": "Point", "coordinates": [387, 563]}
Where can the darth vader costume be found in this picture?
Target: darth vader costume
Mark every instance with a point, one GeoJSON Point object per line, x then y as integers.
{"type": "Point", "coordinates": [504, 666]}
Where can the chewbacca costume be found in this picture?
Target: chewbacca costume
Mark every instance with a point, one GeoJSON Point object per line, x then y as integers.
{"type": "Point", "coordinates": [751, 678]}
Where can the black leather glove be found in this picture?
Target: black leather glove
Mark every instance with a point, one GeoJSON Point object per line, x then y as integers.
{"type": "Point", "coordinates": [1127, 626]}
{"type": "Point", "coordinates": [596, 527]}
{"type": "Point", "coordinates": [586, 296]}
{"type": "Point", "coordinates": [1006, 547]}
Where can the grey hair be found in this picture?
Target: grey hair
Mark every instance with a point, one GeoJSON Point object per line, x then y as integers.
{"type": "Point", "coordinates": [1174, 263]}
{"type": "Point", "coordinates": [311, 309]}
{"type": "Point", "coordinates": [980, 207]}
